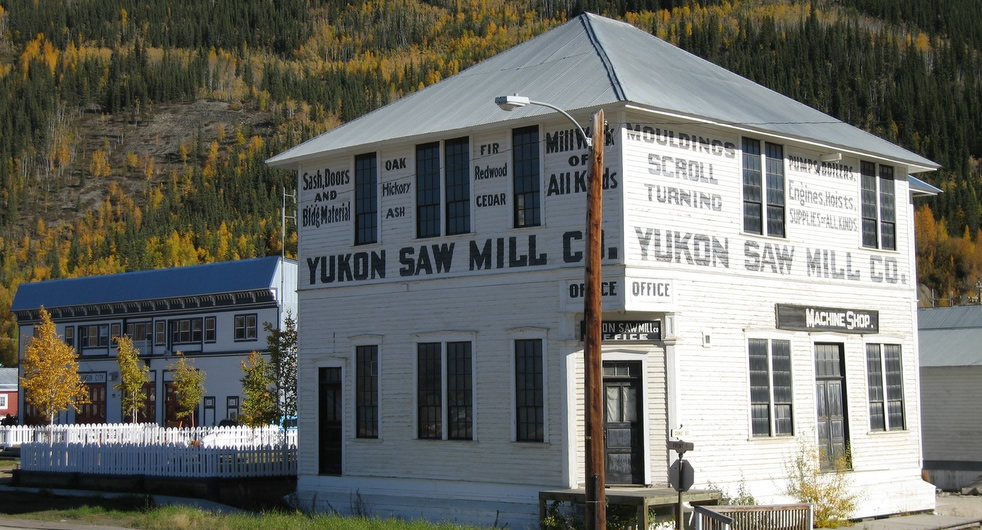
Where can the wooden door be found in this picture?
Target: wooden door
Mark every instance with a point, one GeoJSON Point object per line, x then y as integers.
{"type": "Point", "coordinates": [330, 427]}
{"type": "Point", "coordinates": [623, 441]}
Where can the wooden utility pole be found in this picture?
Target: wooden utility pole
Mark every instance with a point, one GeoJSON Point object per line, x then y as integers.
{"type": "Point", "coordinates": [596, 498]}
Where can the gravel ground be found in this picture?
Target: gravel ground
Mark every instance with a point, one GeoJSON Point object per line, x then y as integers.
{"type": "Point", "coordinates": [957, 505]}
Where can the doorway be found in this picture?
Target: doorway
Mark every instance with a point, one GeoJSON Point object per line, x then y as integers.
{"type": "Point", "coordinates": [623, 428]}
{"type": "Point", "coordinates": [830, 395]}
{"type": "Point", "coordinates": [329, 425]}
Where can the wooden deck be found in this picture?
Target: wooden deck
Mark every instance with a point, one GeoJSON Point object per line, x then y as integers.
{"type": "Point", "coordinates": [643, 498]}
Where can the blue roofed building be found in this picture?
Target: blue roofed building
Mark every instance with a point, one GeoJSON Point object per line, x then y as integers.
{"type": "Point", "coordinates": [212, 313]}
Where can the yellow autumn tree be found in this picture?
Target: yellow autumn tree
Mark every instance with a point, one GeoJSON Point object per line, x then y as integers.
{"type": "Point", "coordinates": [132, 376]}
{"type": "Point", "coordinates": [189, 383]}
{"type": "Point", "coordinates": [51, 382]}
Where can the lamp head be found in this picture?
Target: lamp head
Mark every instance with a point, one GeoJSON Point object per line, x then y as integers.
{"type": "Point", "coordinates": [511, 102]}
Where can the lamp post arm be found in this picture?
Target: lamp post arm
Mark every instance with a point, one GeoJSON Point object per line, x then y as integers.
{"type": "Point", "coordinates": [587, 139]}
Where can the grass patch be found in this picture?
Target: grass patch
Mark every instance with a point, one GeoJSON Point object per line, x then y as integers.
{"type": "Point", "coordinates": [139, 512]}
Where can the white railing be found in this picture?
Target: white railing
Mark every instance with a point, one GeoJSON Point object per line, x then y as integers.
{"type": "Point", "coordinates": [148, 434]}
{"type": "Point", "coordinates": [159, 460]}
{"type": "Point", "coordinates": [152, 450]}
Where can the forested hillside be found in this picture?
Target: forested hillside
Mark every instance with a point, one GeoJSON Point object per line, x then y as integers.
{"type": "Point", "coordinates": [133, 132]}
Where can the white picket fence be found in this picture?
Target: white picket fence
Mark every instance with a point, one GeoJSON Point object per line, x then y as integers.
{"type": "Point", "coordinates": [151, 450]}
{"type": "Point", "coordinates": [175, 461]}
{"type": "Point", "coordinates": [148, 434]}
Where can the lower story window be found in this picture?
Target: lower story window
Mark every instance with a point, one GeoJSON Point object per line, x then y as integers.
{"type": "Point", "coordinates": [529, 404]}
{"type": "Point", "coordinates": [445, 397]}
{"type": "Point", "coordinates": [770, 387]}
{"type": "Point", "coordinates": [884, 372]}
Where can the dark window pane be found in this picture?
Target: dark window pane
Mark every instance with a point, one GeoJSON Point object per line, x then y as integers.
{"type": "Point", "coordinates": [366, 391]}
{"type": "Point", "coordinates": [529, 391]}
{"type": "Point", "coordinates": [775, 190]}
{"type": "Point", "coordinates": [366, 203]}
{"type": "Point", "coordinates": [428, 190]}
{"type": "Point", "coordinates": [895, 386]}
{"type": "Point", "coordinates": [457, 169]}
{"type": "Point", "coordinates": [867, 172]}
{"type": "Point", "coordinates": [459, 391]}
{"type": "Point", "coordinates": [760, 395]}
{"type": "Point", "coordinates": [525, 150]}
{"type": "Point", "coordinates": [888, 209]}
{"type": "Point", "coordinates": [430, 411]}
{"type": "Point", "coordinates": [752, 186]}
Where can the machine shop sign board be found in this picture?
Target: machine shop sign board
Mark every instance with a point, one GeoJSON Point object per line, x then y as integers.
{"type": "Point", "coordinates": [627, 330]}
{"type": "Point", "coordinates": [815, 318]}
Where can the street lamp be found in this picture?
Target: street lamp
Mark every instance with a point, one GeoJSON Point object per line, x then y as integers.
{"type": "Point", "coordinates": [596, 504]}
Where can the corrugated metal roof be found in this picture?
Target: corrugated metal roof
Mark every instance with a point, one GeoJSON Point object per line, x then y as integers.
{"type": "Point", "coordinates": [8, 379]}
{"type": "Point", "coordinates": [962, 316]}
{"type": "Point", "coordinates": [950, 336]}
{"type": "Point", "coordinates": [920, 188]}
{"type": "Point", "coordinates": [196, 280]}
{"type": "Point", "coordinates": [587, 63]}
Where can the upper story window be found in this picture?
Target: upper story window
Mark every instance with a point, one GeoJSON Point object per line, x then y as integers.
{"type": "Point", "coordinates": [879, 207]}
{"type": "Point", "coordinates": [456, 191]}
{"type": "Point", "coordinates": [456, 155]}
{"type": "Point", "coordinates": [94, 336]}
{"type": "Point", "coordinates": [763, 188]}
{"type": "Point", "coordinates": [185, 331]}
{"type": "Point", "coordinates": [70, 335]}
{"type": "Point", "coordinates": [140, 332]}
{"type": "Point", "coordinates": [245, 327]}
{"type": "Point", "coordinates": [428, 190]}
{"type": "Point", "coordinates": [210, 333]}
{"type": "Point", "coordinates": [525, 159]}
{"type": "Point", "coordinates": [366, 199]}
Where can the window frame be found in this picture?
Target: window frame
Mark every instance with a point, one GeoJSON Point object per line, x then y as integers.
{"type": "Point", "coordinates": [185, 330]}
{"type": "Point", "coordinates": [428, 184]}
{"type": "Point", "coordinates": [70, 336]}
{"type": "Point", "coordinates": [436, 382]}
{"type": "Point", "coordinates": [367, 391]}
{"type": "Point", "coordinates": [3, 401]}
{"type": "Point", "coordinates": [878, 206]}
{"type": "Point", "coordinates": [764, 188]}
{"type": "Point", "coordinates": [536, 389]}
{"type": "Point", "coordinates": [526, 177]}
{"type": "Point", "coordinates": [211, 329]}
{"type": "Point", "coordinates": [232, 404]}
{"type": "Point", "coordinates": [366, 199]}
{"type": "Point", "coordinates": [246, 327]}
{"type": "Point", "coordinates": [885, 387]}
{"type": "Point", "coordinates": [778, 426]}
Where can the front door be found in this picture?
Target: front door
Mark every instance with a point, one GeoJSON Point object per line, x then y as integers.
{"type": "Point", "coordinates": [830, 395]}
{"type": "Point", "coordinates": [623, 447]}
{"type": "Point", "coordinates": [329, 421]}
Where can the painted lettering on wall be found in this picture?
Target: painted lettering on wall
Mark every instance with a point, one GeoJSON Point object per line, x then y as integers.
{"type": "Point", "coordinates": [570, 182]}
{"type": "Point", "coordinates": [571, 140]}
{"type": "Point", "coordinates": [837, 170]}
{"type": "Point", "coordinates": [673, 196]}
{"type": "Point", "coordinates": [687, 248]}
{"type": "Point", "coordinates": [323, 211]}
{"type": "Point", "coordinates": [680, 140]}
{"type": "Point", "coordinates": [325, 178]}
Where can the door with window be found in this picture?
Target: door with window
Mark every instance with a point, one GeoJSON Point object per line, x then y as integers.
{"type": "Point", "coordinates": [623, 446]}
{"type": "Point", "coordinates": [95, 410]}
{"type": "Point", "coordinates": [329, 425]}
{"type": "Point", "coordinates": [830, 395]}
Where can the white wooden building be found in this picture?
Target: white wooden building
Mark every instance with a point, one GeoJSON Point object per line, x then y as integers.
{"type": "Point", "coordinates": [214, 314]}
{"type": "Point", "coordinates": [757, 254]}
{"type": "Point", "coordinates": [951, 389]}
